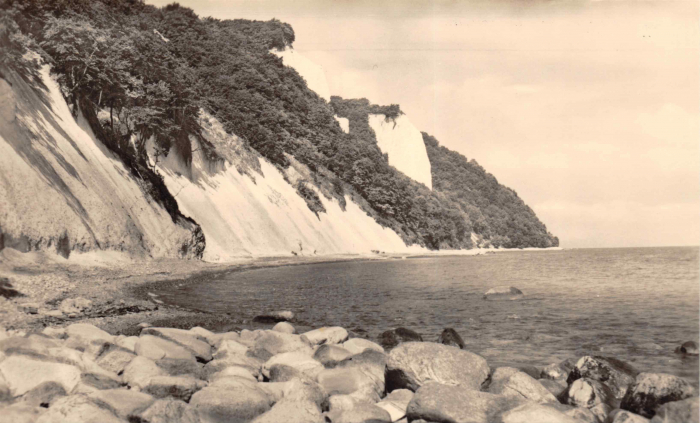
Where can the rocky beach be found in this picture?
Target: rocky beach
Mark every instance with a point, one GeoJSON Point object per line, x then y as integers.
{"type": "Point", "coordinates": [92, 345]}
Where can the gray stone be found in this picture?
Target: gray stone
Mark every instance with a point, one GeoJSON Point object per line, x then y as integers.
{"type": "Point", "coordinates": [689, 348]}
{"type": "Point", "coordinates": [122, 402]}
{"type": "Point", "coordinates": [169, 410]}
{"type": "Point", "coordinates": [300, 361]}
{"type": "Point", "coordinates": [115, 359]}
{"type": "Point", "coordinates": [358, 345]}
{"type": "Point", "coordinates": [186, 339]}
{"type": "Point", "coordinates": [678, 411]}
{"type": "Point", "coordinates": [589, 393]}
{"type": "Point", "coordinates": [20, 413]}
{"type": "Point", "coordinates": [181, 388]}
{"type": "Point", "coordinates": [361, 413]}
{"type": "Point", "coordinates": [327, 335]}
{"type": "Point", "coordinates": [23, 374]}
{"type": "Point", "coordinates": [557, 371]}
{"type": "Point", "coordinates": [227, 405]}
{"type": "Point", "coordinates": [394, 337]}
{"type": "Point", "coordinates": [44, 395]}
{"type": "Point", "coordinates": [651, 390]}
{"type": "Point", "coordinates": [77, 409]}
{"type": "Point", "coordinates": [155, 348]}
{"type": "Point", "coordinates": [450, 337]}
{"type": "Point", "coordinates": [624, 416]}
{"type": "Point", "coordinates": [616, 374]}
{"type": "Point", "coordinates": [511, 382]}
{"type": "Point", "coordinates": [555, 387]}
{"type": "Point", "coordinates": [412, 364]}
{"type": "Point", "coordinates": [271, 343]}
{"type": "Point", "coordinates": [435, 402]}
{"type": "Point", "coordinates": [274, 317]}
{"type": "Point", "coordinates": [284, 327]}
{"type": "Point", "coordinates": [330, 355]}
{"type": "Point", "coordinates": [82, 334]}
{"type": "Point", "coordinates": [140, 371]}
{"type": "Point", "coordinates": [396, 403]}
{"type": "Point", "coordinates": [536, 413]}
{"type": "Point", "coordinates": [181, 367]}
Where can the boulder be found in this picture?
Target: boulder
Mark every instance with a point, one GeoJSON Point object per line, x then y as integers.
{"type": "Point", "coordinates": [227, 405]}
{"type": "Point", "coordinates": [128, 343]}
{"type": "Point", "coordinates": [396, 403]}
{"type": "Point", "coordinates": [206, 334]}
{"type": "Point", "coordinates": [186, 339]}
{"type": "Point", "coordinates": [371, 364]}
{"type": "Point", "coordinates": [450, 337]}
{"type": "Point", "coordinates": [23, 374]}
{"type": "Point", "coordinates": [155, 348]}
{"type": "Point", "coordinates": [292, 412]}
{"type": "Point", "coordinates": [122, 402]}
{"type": "Point", "coordinates": [98, 381]}
{"type": "Point", "coordinates": [233, 336]}
{"type": "Point", "coordinates": [330, 355]}
{"type": "Point", "coordinates": [234, 371]}
{"type": "Point", "coordinates": [327, 335]}
{"type": "Point", "coordinates": [78, 409]}
{"type": "Point", "coordinates": [678, 411]}
{"type": "Point", "coordinates": [140, 371]}
{"type": "Point", "coordinates": [362, 412]}
{"type": "Point", "coordinates": [412, 364]}
{"type": "Point", "coordinates": [31, 345]}
{"type": "Point", "coordinates": [557, 371]}
{"type": "Point", "coordinates": [503, 293]}
{"type": "Point", "coordinates": [115, 359]}
{"type": "Point", "coordinates": [341, 381]}
{"type": "Point", "coordinates": [392, 338]}
{"type": "Point", "coordinates": [588, 393]}
{"type": "Point", "coordinates": [284, 327]}
{"type": "Point", "coordinates": [531, 371]}
{"type": "Point", "coordinates": [531, 413]}
{"type": "Point", "coordinates": [178, 387]}
{"type": "Point", "coordinates": [230, 347]}
{"type": "Point", "coordinates": [283, 373]}
{"type": "Point", "coordinates": [20, 413]}
{"type": "Point", "coordinates": [555, 387]}
{"type": "Point", "coordinates": [251, 363]}
{"type": "Point", "coordinates": [54, 332]}
{"type": "Point", "coordinates": [689, 348]}
{"type": "Point", "coordinates": [272, 343]}
{"type": "Point", "coordinates": [300, 361]}
{"type": "Point", "coordinates": [304, 390]}
{"type": "Point", "coordinates": [44, 394]}
{"type": "Point", "coordinates": [511, 382]}
{"type": "Point", "coordinates": [616, 374]}
{"type": "Point", "coordinates": [82, 334]}
{"type": "Point", "coordinates": [624, 416]}
{"type": "Point", "coordinates": [651, 390]}
{"type": "Point", "coordinates": [169, 410]}
{"type": "Point", "coordinates": [274, 317]}
{"type": "Point", "coordinates": [181, 367]}
{"type": "Point", "coordinates": [436, 402]}
{"type": "Point", "coordinates": [247, 337]}
{"type": "Point", "coordinates": [358, 345]}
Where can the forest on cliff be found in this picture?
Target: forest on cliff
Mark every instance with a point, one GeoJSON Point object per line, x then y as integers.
{"type": "Point", "coordinates": [140, 73]}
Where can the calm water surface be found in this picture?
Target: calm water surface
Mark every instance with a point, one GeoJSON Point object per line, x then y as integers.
{"type": "Point", "coordinates": [636, 304]}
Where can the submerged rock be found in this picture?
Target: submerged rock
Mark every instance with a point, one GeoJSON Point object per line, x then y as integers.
{"type": "Point", "coordinates": [275, 317]}
{"type": "Point", "coordinates": [616, 374]}
{"type": "Point", "coordinates": [392, 338]}
{"type": "Point", "coordinates": [412, 364]}
{"type": "Point", "coordinates": [503, 293]}
{"type": "Point", "coordinates": [689, 348]}
{"type": "Point", "coordinates": [450, 337]}
{"type": "Point", "coordinates": [652, 390]}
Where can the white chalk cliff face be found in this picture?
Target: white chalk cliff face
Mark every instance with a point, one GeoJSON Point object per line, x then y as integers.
{"type": "Point", "coordinates": [314, 74]}
{"type": "Point", "coordinates": [403, 143]}
{"type": "Point", "coordinates": [246, 207]}
{"type": "Point", "coordinates": [62, 190]}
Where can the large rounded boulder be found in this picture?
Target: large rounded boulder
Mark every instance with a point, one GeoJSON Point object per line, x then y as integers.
{"type": "Point", "coordinates": [412, 364]}
{"type": "Point", "coordinates": [687, 410]}
{"type": "Point", "coordinates": [511, 382]}
{"type": "Point", "coordinates": [616, 374]}
{"type": "Point", "coordinates": [652, 390]}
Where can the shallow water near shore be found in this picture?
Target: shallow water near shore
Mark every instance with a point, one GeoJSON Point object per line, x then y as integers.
{"type": "Point", "coordinates": [635, 304]}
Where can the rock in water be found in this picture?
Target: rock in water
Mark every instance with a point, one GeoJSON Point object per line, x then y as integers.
{"type": "Point", "coordinates": [450, 337]}
{"type": "Point", "coordinates": [412, 364]}
{"type": "Point", "coordinates": [652, 390]}
{"type": "Point", "coordinates": [616, 374]}
{"type": "Point", "coordinates": [392, 338]}
{"type": "Point", "coordinates": [435, 402]}
{"type": "Point", "coordinates": [678, 411]}
{"type": "Point", "coordinates": [275, 317]}
{"type": "Point", "coordinates": [689, 348]}
{"type": "Point", "coordinates": [503, 293]}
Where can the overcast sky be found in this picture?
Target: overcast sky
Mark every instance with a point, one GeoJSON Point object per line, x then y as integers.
{"type": "Point", "coordinates": [589, 110]}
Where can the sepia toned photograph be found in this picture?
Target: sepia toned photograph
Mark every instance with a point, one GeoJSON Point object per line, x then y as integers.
{"type": "Point", "coordinates": [349, 211]}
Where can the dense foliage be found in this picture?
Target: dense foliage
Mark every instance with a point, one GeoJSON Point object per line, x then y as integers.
{"type": "Point", "coordinates": [140, 73]}
{"type": "Point", "coordinates": [496, 211]}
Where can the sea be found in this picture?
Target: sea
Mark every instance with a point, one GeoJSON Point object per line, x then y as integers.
{"type": "Point", "coordinates": [634, 304]}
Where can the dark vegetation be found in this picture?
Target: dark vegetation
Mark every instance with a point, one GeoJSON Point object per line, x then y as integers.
{"type": "Point", "coordinates": [140, 73]}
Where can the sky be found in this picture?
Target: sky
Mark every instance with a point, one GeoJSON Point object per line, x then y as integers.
{"type": "Point", "coordinates": [590, 110]}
